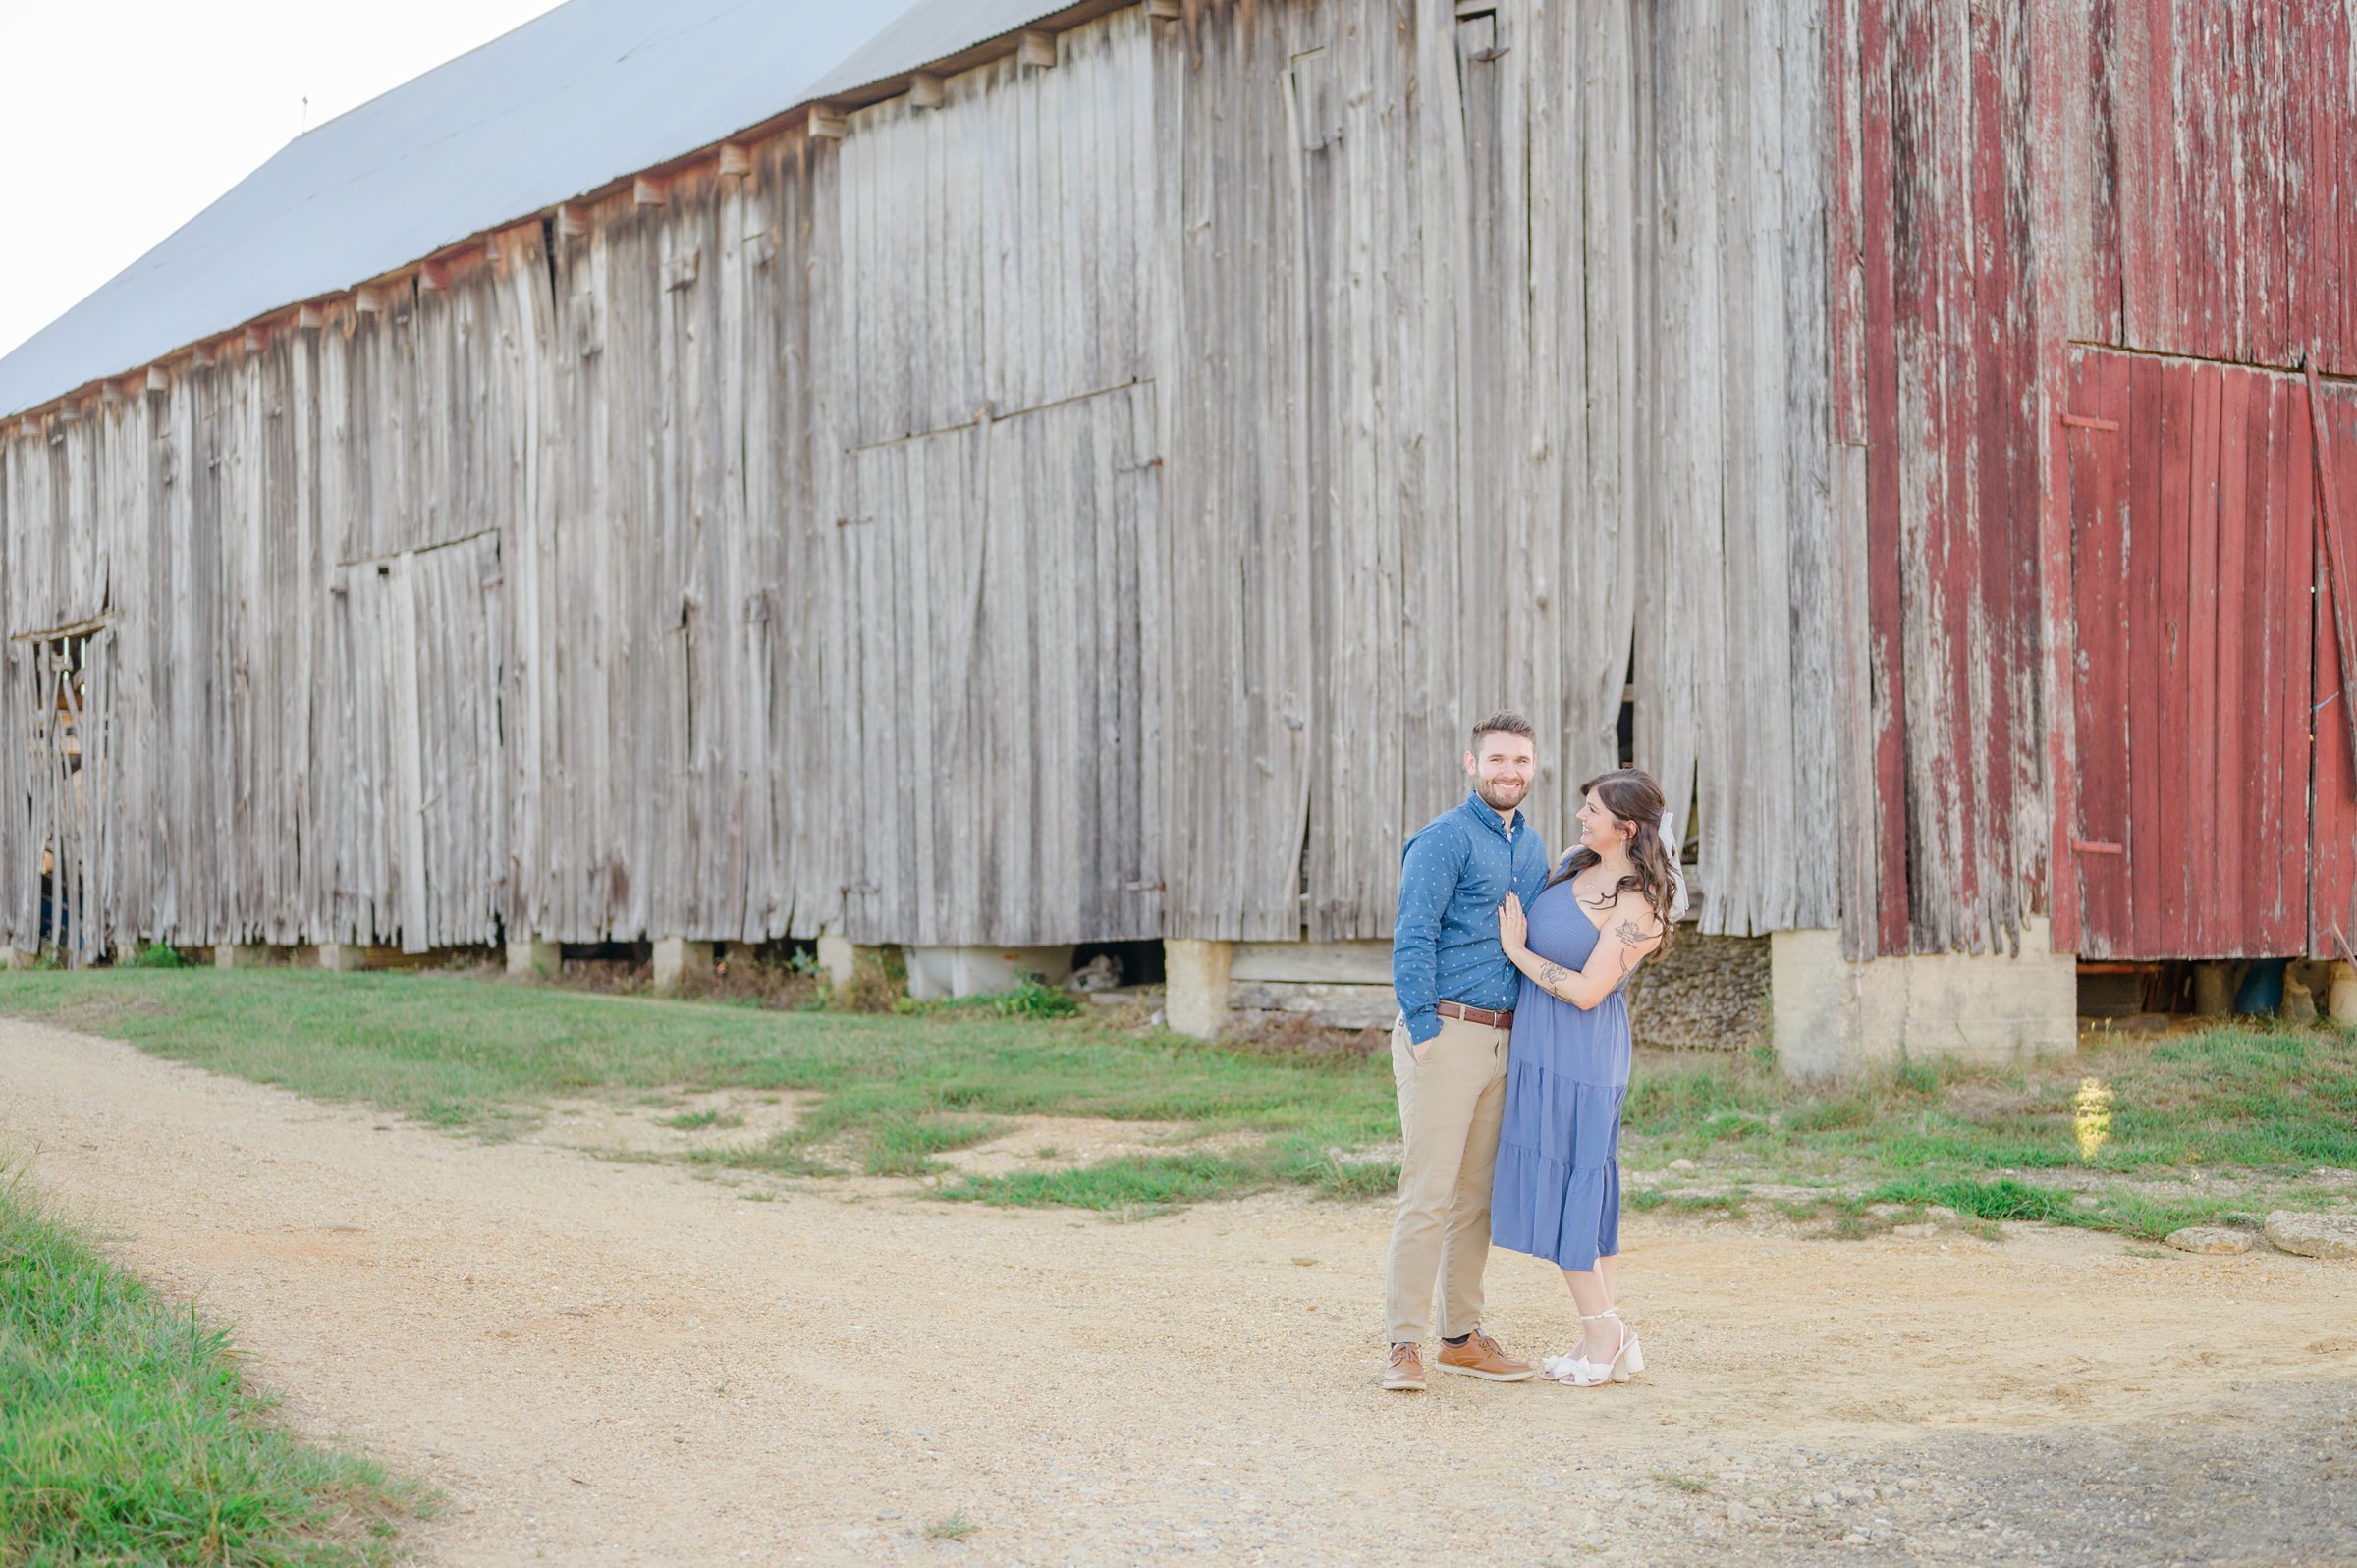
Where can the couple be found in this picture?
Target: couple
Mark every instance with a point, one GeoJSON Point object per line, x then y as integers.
{"type": "Point", "coordinates": [1511, 1055]}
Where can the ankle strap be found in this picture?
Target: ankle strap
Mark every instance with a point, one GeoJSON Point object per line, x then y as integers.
{"type": "Point", "coordinates": [1591, 1316]}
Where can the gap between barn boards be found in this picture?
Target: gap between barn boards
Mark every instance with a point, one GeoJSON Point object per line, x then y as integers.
{"type": "Point", "coordinates": [990, 416]}
{"type": "Point", "coordinates": [79, 628]}
{"type": "Point", "coordinates": [2205, 360]}
{"type": "Point", "coordinates": [419, 550]}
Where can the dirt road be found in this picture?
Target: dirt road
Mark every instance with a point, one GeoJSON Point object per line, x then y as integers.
{"type": "Point", "coordinates": [610, 1363]}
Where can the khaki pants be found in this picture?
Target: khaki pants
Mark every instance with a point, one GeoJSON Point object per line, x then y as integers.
{"type": "Point", "coordinates": [1451, 1105]}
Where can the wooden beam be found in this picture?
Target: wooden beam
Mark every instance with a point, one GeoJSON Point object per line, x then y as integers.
{"type": "Point", "coordinates": [572, 221]}
{"type": "Point", "coordinates": [309, 318]}
{"type": "Point", "coordinates": [1164, 9]}
{"type": "Point", "coordinates": [202, 357]}
{"type": "Point", "coordinates": [257, 338]}
{"type": "Point", "coordinates": [2338, 547]}
{"type": "Point", "coordinates": [924, 90]}
{"type": "Point", "coordinates": [111, 394]}
{"type": "Point", "coordinates": [158, 379]}
{"type": "Point", "coordinates": [647, 191]}
{"type": "Point", "coordinates": [736, 158]}
{"type": "Point", "coordinates": [828, 123]}
{"type": "Point", "coordinates": [367, 299]}
{"type": "Point", "coordinates": [434, 276]}
{"type": "Point", "coordinates": [1036, 49]}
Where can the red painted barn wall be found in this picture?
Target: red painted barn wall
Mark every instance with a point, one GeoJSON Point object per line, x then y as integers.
{"type": "Point", "coordinates": [2008, 181]}
{"type": "Point", "coordinates": [2211, 151]}
{"type": "Point", "coordinates": [1935, 350]}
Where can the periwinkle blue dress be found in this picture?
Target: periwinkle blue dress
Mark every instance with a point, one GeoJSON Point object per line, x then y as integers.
{"type": "Point", "coordinates": [1557, 1191]}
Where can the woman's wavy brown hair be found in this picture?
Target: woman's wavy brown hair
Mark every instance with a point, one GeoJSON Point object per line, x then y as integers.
{"type": "Point", "coordinates": [1632, 795]}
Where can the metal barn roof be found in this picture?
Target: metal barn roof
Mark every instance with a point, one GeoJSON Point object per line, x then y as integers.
{"type": "Point", "coordinates": [572, 100]}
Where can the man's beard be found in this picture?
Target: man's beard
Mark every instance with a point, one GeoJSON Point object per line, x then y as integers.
{"type": "Point", "coordinates": [1497, 798]}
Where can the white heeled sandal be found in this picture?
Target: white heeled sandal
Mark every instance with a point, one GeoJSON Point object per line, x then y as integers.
{"type": "Point", "coordinates": [1576, 1371]}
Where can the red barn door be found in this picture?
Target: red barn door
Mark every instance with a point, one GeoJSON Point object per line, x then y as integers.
{"type": "Point", "coordinates": [2217, 806]}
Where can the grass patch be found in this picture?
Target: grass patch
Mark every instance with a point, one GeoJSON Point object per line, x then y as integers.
{"type": "Point", "coordinates": [1679, 1482]}
{"type": "Point", "coordinates": [486, 1058]}
{"type": "Point", "coordinates": [905, 1146]}
{"type": "Point", "coordinates": [126, 1436]}
{"type": "Point", "coordinates": [1132, 1181]}
{"type": "Point", "coordinates": [699, 1121]}
{"type": "Point", "coordinates": [954, 1527]}
{"type": "Point", "coordinates": [891, 1093]}
{"type": "Point", "coordinates": [1030, 999]}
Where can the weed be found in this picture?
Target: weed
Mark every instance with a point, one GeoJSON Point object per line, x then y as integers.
{"type": "Point", "coordinates": [1132, 1181]}
{"type": "Point", "coordinates": [154, 955]}
{"type": "Point", "coordinates": [1351, 1179]}
{"type": "Point", "coordinates": [2006, 1199]}
{"type": "Point", "coordinates": [905, 1146]}
{"type": "Point", "coordinates": [954, 1527]}
{"type": "Point", "coordinates": [1681, 1483]}
{"type": "Point", "coordinates": [1030, 998]}
{"type": "Point", "coordinates": [699, 1121]}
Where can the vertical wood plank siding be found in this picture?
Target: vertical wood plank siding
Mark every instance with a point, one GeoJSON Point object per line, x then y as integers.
{"type": "Point", "coordinates": [1500, 350]}
{"type": "Point", "coordinates": [2141, 175]}
{"type": "Point", "coordinates": [1095, 506]}
{"type": "Point", "coordinates": [1091, 508]}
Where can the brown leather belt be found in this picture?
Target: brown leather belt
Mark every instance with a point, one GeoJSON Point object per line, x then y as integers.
{"type": "Point", "coordinates": [1479, 1016]}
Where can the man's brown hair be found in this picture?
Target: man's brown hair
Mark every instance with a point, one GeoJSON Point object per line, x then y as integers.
{"type": "Point", "coordinates": [1503, 723]}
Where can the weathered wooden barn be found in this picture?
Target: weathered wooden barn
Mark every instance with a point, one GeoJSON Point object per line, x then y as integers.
{"type": "Point", "coordinates": [1069, 476]}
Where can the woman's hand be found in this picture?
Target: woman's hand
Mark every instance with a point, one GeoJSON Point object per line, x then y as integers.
{"type": "Point", "coordinates": [1513, 926]}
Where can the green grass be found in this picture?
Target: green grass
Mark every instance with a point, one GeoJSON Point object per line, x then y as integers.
{"type": "Point", "coordinates": [126, 1436]}
{"type": "Point", "coordinates": [2265, 1104]}
{"type": "Point", "coordinates": [895, 1092]}
{"type": "Point", "coordinates": [954, 1527]}
{"type": "Point", "coordinates": [905, 1146]}
{"type": "Point", "coordinates": [485, 1058]}
{"type": "Point", "coordinates": [699, 1121]}
{"type": "Point", "coordinates": [2244, 1098]}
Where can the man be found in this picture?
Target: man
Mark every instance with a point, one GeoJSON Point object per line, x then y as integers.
{"type": "Point", "coordinates": [1457, 995]}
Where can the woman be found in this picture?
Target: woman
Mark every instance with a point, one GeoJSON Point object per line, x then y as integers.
{"type": "Point", "coordinates": [1557, 1191]}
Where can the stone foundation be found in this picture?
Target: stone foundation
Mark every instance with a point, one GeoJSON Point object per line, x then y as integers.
{"type": "Point", "coordinates": [677, 959]}
{"type": "Point", "coordinates": [938, 973]}
{"type": "Point", "coordinates": [1708, 994]}
{"type": "Point", "coordinates": [544, 961]}
{"type": "Point", "coordinates": [1196, 979]}
{"type": "Point", "coordinates": [1835, 1018]}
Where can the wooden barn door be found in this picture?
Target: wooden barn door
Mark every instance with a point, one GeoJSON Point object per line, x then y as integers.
{"type": "Point", "coordinates": [418, 831]}
{"type": "Point", "coordinates": [2216, 800]}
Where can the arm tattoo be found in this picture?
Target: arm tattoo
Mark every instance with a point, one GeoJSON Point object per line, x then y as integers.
{"type": "Point", "coordinates": [1552, 979]}
{"type": "Point", "coordinates": [1631, 939]}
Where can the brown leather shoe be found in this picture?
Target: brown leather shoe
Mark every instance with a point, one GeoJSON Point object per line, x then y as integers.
{"type": "Point", "coordinates": [1407, 1370]}
{"type": "Point", "coordinates": [1480, 1357]}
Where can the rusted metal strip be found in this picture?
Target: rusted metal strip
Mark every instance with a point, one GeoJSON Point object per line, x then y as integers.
{"type": "Point", "coordinates": [2094, 847]}
{"type": "Point", "coordinates": [2332, 526]}
{"type": "Point", "coordinates": [2080, 422]}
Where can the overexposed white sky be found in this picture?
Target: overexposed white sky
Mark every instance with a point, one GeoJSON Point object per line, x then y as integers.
{"type": "Point", "coordinates": [126, 117]}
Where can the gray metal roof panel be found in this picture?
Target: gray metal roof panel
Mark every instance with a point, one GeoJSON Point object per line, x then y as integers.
{"type": "Point", "coordinates": [592, 91]}
{"type": "Point", "coordinates": [930, 31]}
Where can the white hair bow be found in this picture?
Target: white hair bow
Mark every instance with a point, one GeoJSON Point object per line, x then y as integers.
{"type": "Point", "coordinates": [1678, 875]}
